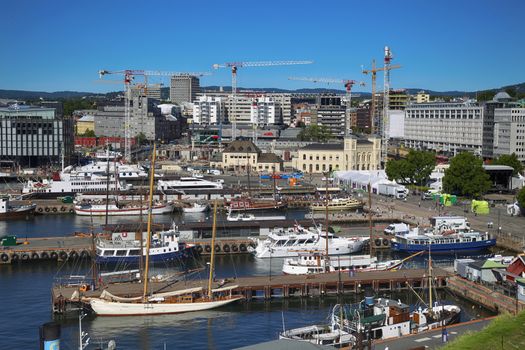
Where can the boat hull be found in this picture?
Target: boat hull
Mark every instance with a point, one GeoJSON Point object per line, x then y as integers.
{"type": "Point", "coordinates": [159, 210]}
{"type": "Point", "coordinates": [111, 308]}
{"type": "Point", "coordinates": [18, 214]}
{"type": "Point", "coordinates": [183, 253]}
{"type": "Point", "coordinates": [444, 248]}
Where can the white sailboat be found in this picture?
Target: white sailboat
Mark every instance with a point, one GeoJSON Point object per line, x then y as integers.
{"type": "Point", "coordinates": [194, 299]}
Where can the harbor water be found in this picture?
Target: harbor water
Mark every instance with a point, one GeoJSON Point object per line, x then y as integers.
{"type": "Point", "coordinates": [25, 292]}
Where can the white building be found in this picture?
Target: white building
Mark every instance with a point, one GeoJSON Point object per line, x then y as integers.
{"type": "Point", "coordinates": [447, 127]}
{"type": "Point", "coordinates": [397, 124]}
{"type": "Point", "coordinates": [208, 110]}
{"type": "Point", "coordinates": [509, 132]}
{"type": "Point", "coordinates": [283, 106]}
{"type": "Point", "coordinates": [263, 111]}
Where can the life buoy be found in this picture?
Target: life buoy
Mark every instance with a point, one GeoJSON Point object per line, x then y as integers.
{"type": "Point", "coordinates": [217, 248]}
{"type": "Point", "coordinates": [235, 248]}
{"type": "Point", "coordinates": [54, 255]}
{"type": "Point", "coordinates": [25, 256]}
{"type": "Point", "coordinates": [207, 249]}
{"type": "Point", "coordinates": [55, 209]}
{"type": "Point", "coordinates": [377, 242]}
{"type": "Point", "coordinates": [385, 242]}
{"type": "Point", "coordinates": [47, 210]}
{"type": "Point", "coordinates": [226, 248]}
{"type": "Point", "coordinates": [83, 288]}
{"type": "Point", "coordinates": [198, 248]}
{"type": "Point", "coordinates": [73, 255]}
{"type": "Point", "coordinates": [14, 257]}
{"type": "Point", "coordinates": [35, 256]}
{"type": "Point", "coordinates": [40, 210]}
{"type": "Point", "coordinates": [62, 208]}
{"type": "Point", "coordinates": [63, 255]}
{"type": "Point", "coordinates": [4, 257]}
{"type": "Point", "coordinates": [242, 247]}
{"type": "Point", "coordinates": [44, 255]}
{"type": "Point", "coordinates": [84, 254]}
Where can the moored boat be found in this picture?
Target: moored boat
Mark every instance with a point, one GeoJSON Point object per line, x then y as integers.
{"type": "Point", "coordinates": [337, 204]}
{"type": "Point", "coordinates": [116, 209]}
{"type": "Point", "coordinates": [247, 204]}
{"type": "Point", "coordinates": [196, 208]}
{"type": "Point", "coordinates": [8, 211]}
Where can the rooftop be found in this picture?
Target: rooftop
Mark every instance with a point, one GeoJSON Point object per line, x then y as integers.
{"type": "Point", "coordinates": [324, 147]}
{"type": "Point", "coordinates": [268, 158]}
{"type": "Point", "coordinates": [240, 146]}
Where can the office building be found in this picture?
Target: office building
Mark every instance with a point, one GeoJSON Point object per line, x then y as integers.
{"type": "Point", "coordinates": [154, 91]}
{"type": "Point", "coordinates": [283, 105]}
{"type": "Point", "coordinates": [509, 132]}
{"type": "Point", "coordinates": [332, 114]}
{"type": "Point", "coordinates": [208, 110]}
{"type": "Point", "coordinates": [264, 112]}
{"type": "Point", "coordinates": [353, 153]}
{"type": "Point", "coordinates": [362, 120]}
{"type": "Point", "coordinates": [184, 88]}
{"type": "Point", "coordinates": [35, 136]}
{"type": "Point", "coordinates": [500, 100]}
{"type": "Point", "coordinates": [444, 127]}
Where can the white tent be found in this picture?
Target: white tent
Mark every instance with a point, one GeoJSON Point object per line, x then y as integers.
{"type": "Point", "coordinates": [359, 179]}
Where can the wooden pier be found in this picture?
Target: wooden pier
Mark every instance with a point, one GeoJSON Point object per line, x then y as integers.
{"type": "Point", "coordinates": [265, 287]}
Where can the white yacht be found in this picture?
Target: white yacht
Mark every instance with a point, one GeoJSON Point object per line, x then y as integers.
{"type": "Point", "coordinates": [118, 209]}
{"type": "Point", "coordinates": [188, 183]}
{"type": "Point", "coordinates": [315, 262]}
{"type": "Point", "coordinates": [100, 170]}
{"type": "Point", "coordinates": [289, 243]}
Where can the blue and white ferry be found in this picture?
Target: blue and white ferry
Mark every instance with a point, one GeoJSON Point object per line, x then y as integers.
{"type": "Point", "coordinates": [446, 242]}
{"type": "Point", "coordinates": [124, 248]}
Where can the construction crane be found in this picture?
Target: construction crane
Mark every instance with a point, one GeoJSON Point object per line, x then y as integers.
{"type": "Point", "coordinates": [235, 66]}
{"type": "Point", "coordinates": [129, 76]}
{"type": "Point", "coordinates": [348, 84]}
{"type": "Point", "coordinates": [386, 69]}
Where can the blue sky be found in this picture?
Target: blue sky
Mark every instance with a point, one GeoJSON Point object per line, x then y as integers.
{"type": "Point", "coordinates": [442, 45]}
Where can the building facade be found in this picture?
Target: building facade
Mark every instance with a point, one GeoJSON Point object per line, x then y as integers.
{"type": "Point", "coordinates": [208, 110]}
{"type": "Point", "coordinates": [84, 124]}
{"type": "Point", "coordinates": [444, 127]}
{"type": "Point", "coordinates": [264, 112]}
{"type": "Point", "coordinates": [184, 88]}
{"type": "Point", "coordinates": [332, 114]}
{"type": "Point", "coordinates": [243, 155]}
{"type": "Point", "coordinates": [35, 136]}
{"type": "Point", "coordinates": [500, 100]}
{"type": "Point", "coordinates": [509, 132]}
{"type": "Point", "coordinates": [352, 154]}
{"type": "Point", "coordinates": [283, 105]}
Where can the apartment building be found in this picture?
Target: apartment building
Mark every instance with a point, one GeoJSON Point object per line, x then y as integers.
{"type": "Point", "coordinates": [208, 110]}
{"type": "Point", "coordinates": [509, 132]}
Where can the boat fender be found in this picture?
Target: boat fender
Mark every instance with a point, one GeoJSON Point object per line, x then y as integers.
{"type": "Point", "coordinates": [4, 257]}
{"type": "Point", "coordinates": [207, 249]}
{"type": "Point", "coordinates": [47, 210]}
{"type": "Point", "coordinates": [40, 210]}
{"type": "Point", "coordinates": [242, 247]}
{"type": "Point", "coordinates": [54, 255]}
{"type": "Point", "coordinates": [235, 248]}
{"type": "Point", "coordinates": [377, 242]}
{"type": "Point", "coordinates": [35, 256]}
{"type": "Point", "coordinates": [25, 256]}
{"type": "Point", "coordinates": [63, 255]}
{"type": "Point", "coordinates": [73, 255]}
{"type": "Point", "coordinates": [71, 211]}
{"type": "Point", "coordinates": [44, 255]}
{"type": "Point", "coordinates": [226, 248]}
{"type": "Point", "coordinates": [217, 248]}
{"type": "Point", "coordinates": [385, 242]}
{"type": "Point", "coordinates": [84, 254]}
{"type": "Point", "coordinates": [62, 208]}
{"type": "Point", "coordinates": [14, 257]}
{"type": "Point", "coordinates": [198, 248]}
{"type": "Point", "coordinates": [54, 209]}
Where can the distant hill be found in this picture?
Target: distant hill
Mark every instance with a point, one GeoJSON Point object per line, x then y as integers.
{"type": "Point", "coordinates": [519, 90]}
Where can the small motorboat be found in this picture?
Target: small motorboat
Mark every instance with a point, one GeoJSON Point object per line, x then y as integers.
{"type": "Point", "coordinates": [195, 208]}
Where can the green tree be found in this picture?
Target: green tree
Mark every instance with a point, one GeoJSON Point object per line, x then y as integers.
{"type": "Point", "coordinates": [422, 164]}
{"type": "Point", "coordinates": [89, 133]}
{"type": "Point", "coordinates": [318, 133]}
{"type": "Point", "coordinates": [510, 160]}
{"type": "Point", "coordinates": [521, 198]}
{"type": "Point", "coordinates": [141, 138]}
{"type": "Point", "coordinates": [400, 171]}
{"type": "Point", "coordinates": [466, 176]}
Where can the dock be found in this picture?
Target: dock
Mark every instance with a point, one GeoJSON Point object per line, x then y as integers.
{"type": "Point", "coordinates": [267, 287]}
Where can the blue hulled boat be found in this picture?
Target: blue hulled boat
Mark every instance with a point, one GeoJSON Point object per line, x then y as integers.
{"type": "Point", "coordinates": [446, 242]}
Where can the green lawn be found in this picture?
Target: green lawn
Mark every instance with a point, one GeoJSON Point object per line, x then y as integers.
{"type": "Point", "coordinates": [504, 332]}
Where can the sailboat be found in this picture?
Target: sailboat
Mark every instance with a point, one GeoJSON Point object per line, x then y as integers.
{"type": "Point", "coordinates": [187, 300]}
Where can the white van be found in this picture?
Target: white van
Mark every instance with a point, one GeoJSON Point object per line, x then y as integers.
{"type": "Point", "coordinates": [396, 229]}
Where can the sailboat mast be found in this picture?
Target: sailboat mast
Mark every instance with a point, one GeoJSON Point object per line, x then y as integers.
{"type": "Point", "coordinates": [326, 223]}
{"type": "Point", "coordinates": [248, 172]}
{"type": "Point", "coordinates": [148, 233]}
{"type": "Point", "coordinates": [212, 260]}
{"type": "Point", "coordinates": [107, 184]}
{"type": "Point", "coordinates": [370, 219]}
{"type": "Point", "coordinates": [429, 280]}
{"type": "Point", "coordinates": [93, 255]}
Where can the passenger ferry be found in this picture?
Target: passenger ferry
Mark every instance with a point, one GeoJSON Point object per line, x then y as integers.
{"type": "Point", "coordinates": [124, 248]}
{"type": "Point", "coordinates": [282, 243]}
{"type": "Point", "coordinates": [338, 204]}
{"type": "Point", "coordinates": [188, 183]}
{"type": "Point", "coordinates": [446, 242]}
{"type": "Point", "coordinates": [77, 184]}
{"type": "Point", "coordinates": [315, 262]}
{"type": "Point", "coordinates": [100, 170]}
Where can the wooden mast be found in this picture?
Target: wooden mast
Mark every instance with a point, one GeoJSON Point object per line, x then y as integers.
{"type": "Point", "coordinates": [326, 223]}
{"type": "Point", "coordinates": [429, 281]}
{"type": "Point", "coordinates": [148, 233]}
{"type": "Point", "coordinates": [212, 259]}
